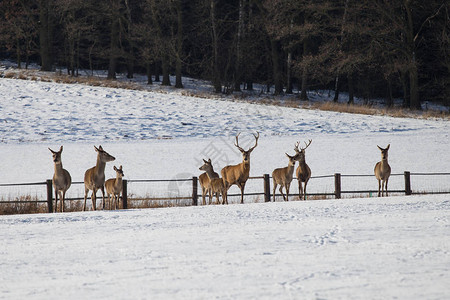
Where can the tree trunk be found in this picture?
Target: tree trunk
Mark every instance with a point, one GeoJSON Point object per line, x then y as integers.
{"type": "Point", "coordinates": [149, 74]}
{"type": "Point", "coordinates": [45, 38]}
{"type": "Point", "coordinates": [130, 56]}
{"type": "Point", "coordinates": [277, 76]}
{"type": "Point", "coordinates": [351, 89]}
{"type": "Point", "coordinates": [216, 75]}
{"type": "Point", "coordinates": [304, 95]}
{"type": "Point", "coordinates": [413, 68]}
{"type": "Point", "coordinates": [114, 45]}
{"type": "Point", "coordinates": [289, 66]}
{"type": "Point", "coordinates": [178, 64]}
{"type": "Point", "coordinates": [165, 70]}
{"type": "Point", "coordinates": [240, 33]}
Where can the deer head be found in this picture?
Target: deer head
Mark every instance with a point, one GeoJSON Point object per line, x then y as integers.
{"type": "Point", "coordinates": [206, 166]}
{"type": "Point", "coordinates": [103, 155]}
{"type": "Point", "coordinates": [301, 152]}
{"type": "Point", "coordinates": [119, 171]}
{"type": "Point", "coordinates": [246, 154]}
{"type": "Point", "coordinates": [56, 155]}
{"type": "Point", "coordinates": [384, 152]}
{"type": "Point", "coordinates": [292, 159]}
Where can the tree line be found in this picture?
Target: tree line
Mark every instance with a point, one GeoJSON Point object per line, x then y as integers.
{"type": "Point", "coordinates": [367, 48]}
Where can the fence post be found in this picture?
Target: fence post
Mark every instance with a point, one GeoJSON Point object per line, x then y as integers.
{"type": "Point", "coordinates": [49, 195]}
{"type": "Point", "coordinates": [408, 190]}
{"type": "Point", "coordinates": [124, 194]}
{"type": "Point", "coordinates": [337, 185]}
{"type": "Point", "coordinates": [194, 191]}
{"type": "Point", "coordinates": [266, 188]}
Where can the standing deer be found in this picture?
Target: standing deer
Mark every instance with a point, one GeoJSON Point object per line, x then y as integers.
{"type": "Point", "coordinates": [61, 179]}
{"type": "Point", "coordinates": [383, 171]}
{"type": "Point", "coordinates": [303, 172]}
{"type": "Point", "coordinates": [216, 185]}
{"type": "Point", "coordinates": [94, 178]}
{"type": "Point", "coordinates": [205, 183]}
{"type": "Point", "coordinates": [114, 187]}
{"type": "Point", "coordinates": [283, 177]}
{"type": "Point", "coordinates": [238, 174]}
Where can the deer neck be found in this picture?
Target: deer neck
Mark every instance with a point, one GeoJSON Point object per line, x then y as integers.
{"type": "Point", "coordinates": [384, 163]}
{"type": "Point", "coordinates": [245, 167]}
{"type": "Point", "coordinates": [58, 168]}
{"type": "Point", "coordinates": [290, 169]}
{"type": "Point", "coordinates": [100, 167]}
{"type": "Point", "coordinates": [210, 173]}
{"type": "Point", "coordinates": [302, 163]}
{"type": "Point", "coordinates": [118, 180]}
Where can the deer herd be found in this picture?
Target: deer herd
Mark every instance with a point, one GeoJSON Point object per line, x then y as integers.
{"type": "Point", "coordinates": [210, 181]}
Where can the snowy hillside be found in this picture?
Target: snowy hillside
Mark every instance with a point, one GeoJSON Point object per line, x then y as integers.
{"type": "Point", "coordinates": [370, 248]}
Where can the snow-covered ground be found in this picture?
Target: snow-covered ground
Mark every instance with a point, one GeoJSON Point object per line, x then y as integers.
{"type": "Point", "coordinates": [390, 248]}
{"type": "Point", "coordinates": [354, 248]}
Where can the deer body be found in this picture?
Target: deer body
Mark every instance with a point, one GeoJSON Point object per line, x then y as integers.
{"type": "Point", "coordinates": [94, 178]}
{"type": "Point", "coordinates": [216, 185]}
{"type": "Point", "coordinates": [283, 177]}
{"type": "Point", "coordinates": [238, 174]}
{"type": "Point", "coordinates": [205, 184]}
{"type": "Point", "coordinates": [382, 171]}
{"type": "Point", "coordinates": [114, 187]}
{"type": "Point", "coordinates": [61, 179]}
{"type": "Point", "coordinates": [303, 171]}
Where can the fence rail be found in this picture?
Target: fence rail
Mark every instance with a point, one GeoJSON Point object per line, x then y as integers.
{"type": "Point", "coordinates": [266, 190]}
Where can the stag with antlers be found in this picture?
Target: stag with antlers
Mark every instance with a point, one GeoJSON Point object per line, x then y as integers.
{"type": "Point", "coordinates": [238, 174]}
{"type": "Point", "coordinates": [303, 172]}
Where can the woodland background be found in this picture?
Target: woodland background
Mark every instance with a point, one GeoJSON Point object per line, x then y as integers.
{"type": "Point", "coordinates": [378, 48]}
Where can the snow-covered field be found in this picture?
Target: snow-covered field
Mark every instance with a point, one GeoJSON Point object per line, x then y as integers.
{"type": "Point", "coordinates": [396, 247]}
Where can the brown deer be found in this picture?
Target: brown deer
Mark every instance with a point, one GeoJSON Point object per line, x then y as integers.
{"type": "Point", "coordinates": [94, 178]}
{"type": "Point", "coordinates": [61, 179]}
{"type": "Point", "coordinates": [303, 172]}
{"type": "Point", "coordinates": [114, 187]}
{"type": "Point", "coordinates": [205, 183]}
{"type": "Point", "coordinates": [216, 185]}
{"type": "Point", "coordinates": [383, 171]}
{"type": "Point", "coordinates": [283, 177]}
{"type": "Point", "coordinates": [238, 174]}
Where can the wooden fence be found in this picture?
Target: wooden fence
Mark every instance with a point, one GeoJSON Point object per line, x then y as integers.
{"type": "Point", "coordinates": [265, 187]}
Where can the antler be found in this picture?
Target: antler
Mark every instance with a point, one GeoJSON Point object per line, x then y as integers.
{"type": "Point", "coordinates": [307, 145]}
{"type": "Point", "coordinates": [296, 147]}
{"type": "Point", "coordinates": [301, 149]}
{"type": "Point", "coordinates": [237, 142]}
{"type": "Point", "coordinates": [256, 142]}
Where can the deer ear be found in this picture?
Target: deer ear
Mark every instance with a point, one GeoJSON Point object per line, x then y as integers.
{"type": "Point", "coordinates": [96, 149]}
{"type": "Point", "coordinates": [120, 167]}
{"type": "Point", "coordinates": [209, 160]}
{"type": "Point", "coordinates": [115, 169]}
{"type": "Point", "coordinates": [100, 148]}
{"type": "Point", "coordinates": [51, 150]}
{"type": "Point", "coordinates": [387, 148]}
{"type": "Point", "coordinates": [379, 148]}
{"type": "Point", "coordinates": [61, 149]}
{"type": "Point", "coordinates": [204, 161]}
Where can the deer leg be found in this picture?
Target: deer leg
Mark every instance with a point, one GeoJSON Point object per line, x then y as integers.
{"type": "Point", "coordinates": [274, 190]}
{"type": "Point", "coordinates": [103, 197]}
{"type": "Point", "coordinates": [86, 191]}
{"type": "Point", "coordinates": [281, 191]}
{"type": "Point", "coordinates": [379, 187]}
{"type": "Point", "coordinates": [56, 201]}
{"type": "Point", "coordinates": [287, 191]}
{"type": "Point", "coordinates": [300, 190]}
{"type": "Point", "coordinates": [304, 190]}
{"type": "Point", "coordinates": [203, 195]}
{"type": "Point", "coordinates": [62, 200]}
{"type": "Point", "coordinates": [94, 199]}
{"type": "Point", "coordinates": [386, 186]}
{"type": "Point", "coordinates": [242, 186]}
